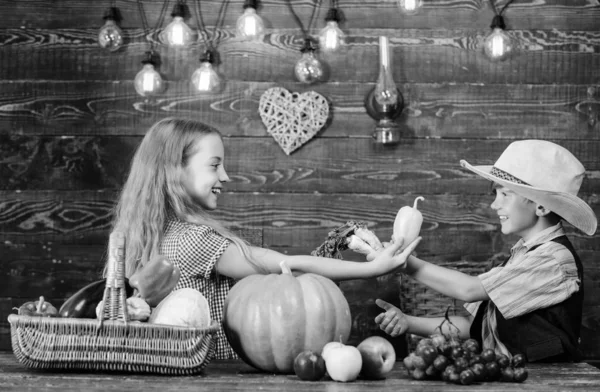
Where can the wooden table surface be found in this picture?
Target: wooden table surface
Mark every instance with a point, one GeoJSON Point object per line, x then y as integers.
{"type": "Point", "coordinates": [237, 376]}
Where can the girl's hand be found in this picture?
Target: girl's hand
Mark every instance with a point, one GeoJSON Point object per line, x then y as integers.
{"type": "Point", "coordinates": [389, 259]}
{"type": "Point", "coordinates": [392, 321]}
{"type": "Point", "coordinates": [371, 256]}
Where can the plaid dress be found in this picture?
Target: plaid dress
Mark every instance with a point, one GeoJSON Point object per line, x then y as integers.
{"type": "Point", "coordinates": [195, 249]}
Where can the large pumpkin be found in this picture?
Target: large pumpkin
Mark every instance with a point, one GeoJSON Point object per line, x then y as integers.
{"type": "Point", "coordinates": [270, 319]}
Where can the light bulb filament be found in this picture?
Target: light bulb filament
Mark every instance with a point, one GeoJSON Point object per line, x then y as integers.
{"type": "Point", "coordinates": [331, 39]}
{"type": "Point", "coordinates": [148, 82]}
{"type": "Point", "coordinates": [410, 5]}
{"type": "Point", "coordinates": [250, 27]}
{"type": "Point", "coordinates": [204, 81]}
{"type": "Point", "coordinates": [497, 46]}
{"type": "Point", "coordinates": [177, 35]}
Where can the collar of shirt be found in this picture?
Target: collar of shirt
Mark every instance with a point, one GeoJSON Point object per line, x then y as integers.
{"type": "Point", "coordinates": [543, 236]}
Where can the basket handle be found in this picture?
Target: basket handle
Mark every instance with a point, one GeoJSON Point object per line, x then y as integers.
{"type": "Point", "coordinates": [114, 305]}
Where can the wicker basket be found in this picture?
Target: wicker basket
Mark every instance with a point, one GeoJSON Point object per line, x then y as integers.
{"type": "Point", "coordinates": [111, 343]}
{"type": "Point", "coordinates": [417, 299]}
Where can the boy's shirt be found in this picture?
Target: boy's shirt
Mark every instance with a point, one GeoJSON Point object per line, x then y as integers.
{"type": "Point", "coordinates": [529, 280]}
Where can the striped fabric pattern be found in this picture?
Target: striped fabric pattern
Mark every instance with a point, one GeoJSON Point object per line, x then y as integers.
{"type": "Point", "coordinates": [195, 249]}
{"type": "Point", "coordinates": [529, 280]}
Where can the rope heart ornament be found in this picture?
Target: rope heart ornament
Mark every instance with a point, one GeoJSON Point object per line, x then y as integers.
{"type": "Point", "coordinates": [292, 119]}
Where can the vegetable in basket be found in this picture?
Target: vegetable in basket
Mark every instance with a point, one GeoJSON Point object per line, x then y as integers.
{"type": "Point", "coordinates": [185, 308]}
{"type": "Point", "coordinates": [83, 303]}
{"type": "Point", "coordinates": [137, 309]}
{"type": "Point", "coordinates": [40, 308]}
{"type": "Point", "coordinates": [155, 280]}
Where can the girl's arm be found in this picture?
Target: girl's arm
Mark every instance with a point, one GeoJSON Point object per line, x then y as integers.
{"type": "Point", "coordinates": [446, 281]}
{"type": "Point", "coordinates": [233, 264]}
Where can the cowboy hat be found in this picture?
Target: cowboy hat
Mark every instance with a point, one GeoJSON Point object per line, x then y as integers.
{"type": "Point", "coordinates": [546, 174]}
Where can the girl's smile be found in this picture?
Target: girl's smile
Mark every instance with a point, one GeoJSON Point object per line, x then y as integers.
{"type": "Point", "coordinates": [204, 172]}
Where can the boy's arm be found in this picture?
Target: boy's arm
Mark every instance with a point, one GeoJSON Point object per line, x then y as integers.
{"type": "Point", "coordinates": [426, 326]}
{"type": "Point", "coordinates": [395, 322]}
{"type": "Point", "coordinates": [446, 281]}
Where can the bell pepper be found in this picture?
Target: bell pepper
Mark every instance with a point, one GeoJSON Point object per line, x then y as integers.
{"type": "Point", "coordinates": [155, 280]}
{"type": "Point", "coordinates": [40, 308]}
{"type": "Point", "coordinates": [407, 224]}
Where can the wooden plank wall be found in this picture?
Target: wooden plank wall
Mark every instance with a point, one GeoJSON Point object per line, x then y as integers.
{"type": "Point", "coordinates": [70, 120]}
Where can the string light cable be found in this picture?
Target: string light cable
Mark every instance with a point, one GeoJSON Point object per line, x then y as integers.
{"type": "Point", "coordinates": [498, 45]}
{"type": "Point", "coordinates": [206, 79]}
{"type": "Point", "coordinates": [309, 69]}
{"type": "Point", "coordinates": [148, 81]}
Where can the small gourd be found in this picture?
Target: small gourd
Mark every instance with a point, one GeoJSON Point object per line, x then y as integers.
{"type": "Point", "coordinates": [408, 223]}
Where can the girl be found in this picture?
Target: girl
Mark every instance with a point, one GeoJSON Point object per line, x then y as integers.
{"type": "Point", "coordinates": [175, 180]}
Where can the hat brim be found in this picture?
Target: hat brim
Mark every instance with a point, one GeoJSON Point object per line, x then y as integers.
{"type": "Point", "coordinates": [570, 207]}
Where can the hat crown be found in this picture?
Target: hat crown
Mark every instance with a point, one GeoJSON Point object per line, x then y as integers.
{"type": "Point", "coordinates": [543, 165]}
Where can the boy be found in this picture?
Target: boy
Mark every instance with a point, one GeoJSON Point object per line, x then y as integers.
{"type": "Point", "coordinates": [532, 304]}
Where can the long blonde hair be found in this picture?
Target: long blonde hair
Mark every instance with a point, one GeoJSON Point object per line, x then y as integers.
{"type": "Point", "coordinates": [154, 190]}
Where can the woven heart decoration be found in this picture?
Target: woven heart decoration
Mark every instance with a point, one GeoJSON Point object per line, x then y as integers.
{"type": "Point", "coordinates": [292, 119]}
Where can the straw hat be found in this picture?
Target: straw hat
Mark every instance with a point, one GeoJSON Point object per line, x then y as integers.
{"type": "Point", "coordinates": [545, 173]}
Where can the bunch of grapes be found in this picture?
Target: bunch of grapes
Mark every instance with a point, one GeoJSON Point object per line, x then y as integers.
{"type": "Point", "coordinates": [462, 362]}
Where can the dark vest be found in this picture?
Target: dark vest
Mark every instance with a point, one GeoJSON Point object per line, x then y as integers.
{"type": "Point", "coordinates": [544, 335]}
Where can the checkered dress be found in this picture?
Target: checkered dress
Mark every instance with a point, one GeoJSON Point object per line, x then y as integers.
{"type": "Point", "coordinates": [195, 249]}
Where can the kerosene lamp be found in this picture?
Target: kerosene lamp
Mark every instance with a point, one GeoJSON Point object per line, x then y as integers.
{"type": "Point", "coordinates": [385, 102]}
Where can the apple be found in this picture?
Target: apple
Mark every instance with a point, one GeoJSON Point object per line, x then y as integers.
{"type": "Point", "coordinates": [309, 366]}
{"type": "Point", "coordinates": [378, 357]}
{"type": "Point", "coordinates": [343, 362]}
{"type": "Point", "coordinates": [328, 347]}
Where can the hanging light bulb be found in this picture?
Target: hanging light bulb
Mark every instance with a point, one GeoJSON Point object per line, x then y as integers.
{"type": "Point", "coordinates": [250, 24]}
{"type": "Point", "coordinates": [205, 79]}
{"type": "Point", "coordinates": [148, 81]}
{"type": "Point", "coordinates": [110, 36]}
{"type": "Point", "coordinates": [385, 102]}
{"type": "Point", "coordinates": [309, 69]}
{"type": "Point", "coordinates": [331, 37]}
{"type": "Point", "coordinates": [409, 7]}
{"type": "Point", "coordinates": [177, 33]}
{"type": "Point", "coordinates": [498, 45]}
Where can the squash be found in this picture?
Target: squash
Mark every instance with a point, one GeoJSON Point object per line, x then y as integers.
{"type": "Point", "coordinates": [270, 319]}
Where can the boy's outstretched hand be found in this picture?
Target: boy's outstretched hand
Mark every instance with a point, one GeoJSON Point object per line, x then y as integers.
{"type": "Point", "coordinates": [392, 321]}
